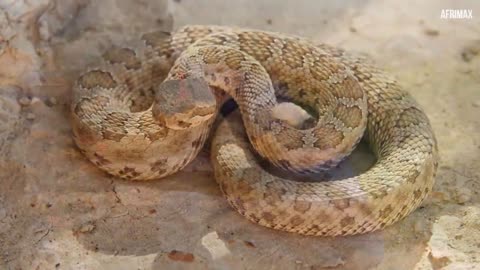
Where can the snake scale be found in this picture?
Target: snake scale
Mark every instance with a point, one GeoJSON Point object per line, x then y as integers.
{"type": "Point", "coordinates": [146, 109]}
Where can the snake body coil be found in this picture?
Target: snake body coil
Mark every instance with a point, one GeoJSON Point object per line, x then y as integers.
{"type": "Point", "coordinates": [185, 75]}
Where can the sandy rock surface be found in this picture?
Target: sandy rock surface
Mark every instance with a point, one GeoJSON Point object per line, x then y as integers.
{"type": "Point", "coordinates": [57, 211]}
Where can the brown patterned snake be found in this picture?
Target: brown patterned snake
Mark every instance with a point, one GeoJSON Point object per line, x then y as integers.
{"type": "Point", "coordinates": [117, 127]}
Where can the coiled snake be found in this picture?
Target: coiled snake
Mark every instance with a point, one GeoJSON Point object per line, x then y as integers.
{"type": "Point", "coordinates": [186, 76]}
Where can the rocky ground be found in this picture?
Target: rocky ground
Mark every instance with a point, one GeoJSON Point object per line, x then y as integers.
{"type": "Point", "coordinates": [57, 211]}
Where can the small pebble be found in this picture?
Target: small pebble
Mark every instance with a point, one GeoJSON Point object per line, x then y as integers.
{"type": "Point", "coordinates": [249, 244]}
{"type": "Point", "coordinates": [87, 228]}
{"type": "Point", "coordinates": [470, 51]}
{"type": "Point", "coordinates": [176, 255]}
{"type": "Point", "coordinates": [25, 101]}
{"type": "Point", "coordinates": [30, 116]}
{"type": "Point", "coordinates": [52, 101]}
{"type": "Point", "coordinates": [438, 262]}
{"type": "Point", "coordinates": [438, 197]}
{"type": "Point", "coordinates": [35, 100]}
{"type": "Point", "coordinates": [431, 32]}
{"type": "Point", "coordinates": [463, 196]}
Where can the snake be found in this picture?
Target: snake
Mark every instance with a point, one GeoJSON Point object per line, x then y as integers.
{"type": "Point", "coordinates": [146, 108]}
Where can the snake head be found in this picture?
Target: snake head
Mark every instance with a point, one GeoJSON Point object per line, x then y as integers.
{"type": "Point", "coordinates": [185, 103]}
